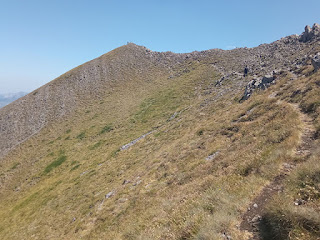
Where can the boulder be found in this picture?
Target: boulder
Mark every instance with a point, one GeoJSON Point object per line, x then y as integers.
{"type": "Point", "coordinates": [266, 81]}
{"type": "Point", "coordinates": [258, 83]}
{"type": "Point", "coordinates": [316, 61]}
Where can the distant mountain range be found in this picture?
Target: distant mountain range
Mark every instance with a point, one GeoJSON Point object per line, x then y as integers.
{"type": "Point", "coordinates": [7, 98]}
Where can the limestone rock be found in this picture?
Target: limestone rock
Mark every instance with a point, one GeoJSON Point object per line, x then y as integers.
{"type": "Point", "coordinates": [110, 194]}
{"type": "Point", "coordinates": [310, 33]}
{"type": "Point", "coordinates": [258, 83]}
{"type": "Point", "coordinates": [212, 156]}
{"type": "Point", "coordinates": [316, 61]}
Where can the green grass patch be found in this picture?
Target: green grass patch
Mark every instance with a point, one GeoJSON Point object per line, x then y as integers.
{"type": "Point", "coordinates": [55, 163]}
{"type": "Point", "coordinates": [107, 128]}
{"type": "Point", "coordinates": [96, 145]}
{"type": "Point", "coordinates": [25, 202]}
{"type": "Point", "coordinates": [81, 136]}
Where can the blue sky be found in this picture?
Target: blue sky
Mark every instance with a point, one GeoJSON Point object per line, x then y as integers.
{"type": "Point", "coordinates": [42, 39]}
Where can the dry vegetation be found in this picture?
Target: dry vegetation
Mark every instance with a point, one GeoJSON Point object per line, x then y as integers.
{"type": "Point", "coordinates": [71, 181]}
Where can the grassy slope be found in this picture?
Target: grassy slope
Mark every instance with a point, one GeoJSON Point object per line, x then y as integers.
{"type": "Point", "coordinates": [54, 185]}
{"type": "Point", "coordinates": [285, 220]}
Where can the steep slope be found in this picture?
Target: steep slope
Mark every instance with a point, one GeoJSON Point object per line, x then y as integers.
{"type": "Point", "coordinates": [144, 145]}
{"type": "Point", "coordinates": [75, 88]}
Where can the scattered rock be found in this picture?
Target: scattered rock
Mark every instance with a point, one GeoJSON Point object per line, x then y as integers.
{"type": "Point", "coordinates": [125, 182]}
{"type": "Point", "coordinates": [226, 236]}
{"type": "Point", "coordinates": [256, 219]}
{"type": "Point", "coordinates": [137, 183]}
{"type": "Point", "coordinates": [126, 146]}
{"type": "Point", "coordinates": [288, 166]}
{"type": "Point", "coordinates": [110, 194]}
{"type": "Point", "coordinates": [299, 202]}
{"type": "Point", "coordinates": [173, 116]}
{"type": "Point", "coordinates": [255, 205]}
{"type": "Point", "coordinates": [212, 156]}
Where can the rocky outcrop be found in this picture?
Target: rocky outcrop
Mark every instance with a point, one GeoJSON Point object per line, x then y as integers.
{"type": "Point", "coordinates": [309, 33]}
{"type": "Point", "coordinates": [316, 61]}
{"type": "Point", "coordinates": [289, 53]}
{"type": "Point", "coordinates": [258, 83]}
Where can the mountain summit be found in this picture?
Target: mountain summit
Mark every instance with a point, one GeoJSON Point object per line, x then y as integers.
{"type": "Point", "coordinates": [138, 144]}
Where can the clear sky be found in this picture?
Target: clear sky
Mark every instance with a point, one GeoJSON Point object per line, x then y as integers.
{"type": "Point", "coordinates": [42, 39]}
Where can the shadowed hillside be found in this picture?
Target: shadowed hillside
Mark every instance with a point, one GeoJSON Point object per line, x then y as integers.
{"type": "Point", "coordinates": [139, 144]}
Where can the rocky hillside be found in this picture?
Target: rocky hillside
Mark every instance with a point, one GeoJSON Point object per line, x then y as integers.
{"type": "Point", "coordinates": [138, 144]}
{"type": "Point", "coordinates": [61, 97]}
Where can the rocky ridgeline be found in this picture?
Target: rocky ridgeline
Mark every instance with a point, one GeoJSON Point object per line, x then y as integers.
{"type": "Point", "coordinates": [310, 34]}
{"type": "Point", "coordinates": [92, 80]}
{"type": "Point", "coordinates": [292, 53]}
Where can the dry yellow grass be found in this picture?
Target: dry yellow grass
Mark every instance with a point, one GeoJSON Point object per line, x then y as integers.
{"type": "Point", "coordinates": [162, 187]}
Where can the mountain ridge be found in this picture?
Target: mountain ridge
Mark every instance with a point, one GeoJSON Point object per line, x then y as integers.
{"type": "Point", "coordinates": [139, 144]}
{"type": "Point", "coordinates": [237, 59]}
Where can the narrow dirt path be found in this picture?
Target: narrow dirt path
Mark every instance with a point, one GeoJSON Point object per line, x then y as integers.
{"type": "Point", "coordinates": [253, 216]}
